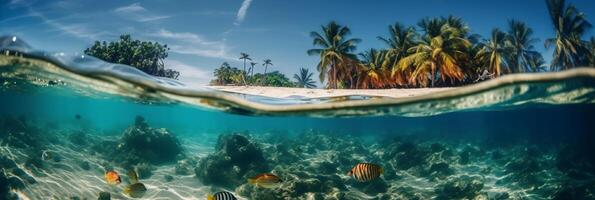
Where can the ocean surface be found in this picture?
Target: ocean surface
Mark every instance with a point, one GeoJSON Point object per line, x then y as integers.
{"type": "Point", "coordinates": [65, 120]}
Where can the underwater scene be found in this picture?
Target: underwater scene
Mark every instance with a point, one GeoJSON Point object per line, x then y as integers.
{"type": "Point", "coordinates": [75, 127]}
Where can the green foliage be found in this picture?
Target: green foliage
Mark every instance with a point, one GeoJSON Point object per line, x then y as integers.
{"type": "Point", "coordinates": [227, 75]}
{"type": "Point", "coordinates": [145, 56]}
{"type": "Point", "coordinates": [493, 52]}
{"type": "Point", "coordinates": [520, 40]}
{"type": "Point", "coordinates": [304, 79]}
{"type": "Point", "coordinates": [273, 79]}
{"type": "Point", "coordinates": [444, 52]}
{"type": "Point", "coordinates": [592, 49]}
{"type": "Point", "coordinates": [441, 52]}
{"type": "Point", "coordinates": [335, 49]}
{"type": "Point", "coordinates": [570, 25]}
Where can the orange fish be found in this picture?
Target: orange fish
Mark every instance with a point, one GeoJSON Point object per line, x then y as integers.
{"type": "Point", "coordinates": [365, 172]}
{"type": "Point", "coordinates": [266, 180]}
{"type": "Point", "coordinates": [112, 177]}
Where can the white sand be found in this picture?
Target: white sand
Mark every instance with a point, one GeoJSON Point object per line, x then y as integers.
{"type": "Point", "coordinates": [284, 92]}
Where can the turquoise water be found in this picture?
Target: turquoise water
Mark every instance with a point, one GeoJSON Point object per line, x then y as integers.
{"type": "Point", "coordinates": [67, 119]}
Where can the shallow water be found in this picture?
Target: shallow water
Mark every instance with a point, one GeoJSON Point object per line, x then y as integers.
{"type": "Point", "coordinates": [66, 119]}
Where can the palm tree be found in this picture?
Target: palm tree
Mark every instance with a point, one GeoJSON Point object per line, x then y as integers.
{"type": "Point", "coordinates": [457, 23]}
{"type": "Point", "coordinates": [252, 64]}
{"type": "Point", "coordinates": [244, 56]}
{"type": "Point", "coordinates": [304, 79]}
{"type": "Point", "coordinates": [592, 49]}
{"type": "Point", "coordinates": [432, 27]}
{"type": "Point", "coordinates": [521, 42]}
{"type": "Point", "coordinates": [400, 40]}
{"type": "Point", "coordinates": [440, 51]}
{"type": "Point", "coordinates": [372, 73]}
{"type": "Point", "coordinates": [493, 53]}
{"type": "Point", "coordinates": [266, 63]}
{"type": "Point", "coordinates": [569, 25]}
{"type": "Point", "coordinates": [537, 63]}
{"type": "Point", "coordinates": [335, 53]}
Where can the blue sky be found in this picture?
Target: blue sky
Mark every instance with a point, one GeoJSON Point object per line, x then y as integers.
{"type": "Point", "coordinates": [204, 33]}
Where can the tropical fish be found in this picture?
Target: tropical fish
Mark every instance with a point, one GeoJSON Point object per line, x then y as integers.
{"type": "Point", "coordinates": [265, 180]}
{"type": "Point", "coordinates": [365, 172]}
{"type": "Point", "coordinates": [112, 177]}
{"type": "Point", "coordinates": [221, 196]}
{"type": "Point", "coordinates": [77, 116]}
{"type": "Point", "coordinates": [135, 189]}
{"type": "Point", "coordinates": [132, 175]}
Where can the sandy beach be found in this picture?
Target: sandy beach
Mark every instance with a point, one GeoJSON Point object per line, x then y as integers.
{"type": "Point", "coordinates": [285, 92]}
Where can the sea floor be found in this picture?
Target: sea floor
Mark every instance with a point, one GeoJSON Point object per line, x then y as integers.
{"type": "Point", "coordinates": [58, 163]}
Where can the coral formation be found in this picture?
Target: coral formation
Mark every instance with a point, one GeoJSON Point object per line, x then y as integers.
{"type": "Point", "coordinates": [461, 187]}
{"type": "Point", "coordinates": [19, 133]}
{"type": "Point", "coordinates": [312, 164]}
{"type": "Point", "coordinates": [5, 186]}
{"type": "Point", "coordinates": [141, 143]}
{"type": "Point", "coordinates": [104, 196]}
{"type": "Point", "coordinates": [234, 160]}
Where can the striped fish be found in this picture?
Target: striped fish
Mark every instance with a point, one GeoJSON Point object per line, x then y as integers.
{"type": "Point", "coordinates": [365, 172]}
{"type": "Point", "coordinates": [221, 196]}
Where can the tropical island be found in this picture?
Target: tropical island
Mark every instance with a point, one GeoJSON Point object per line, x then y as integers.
{"type": "Point", "coordinates": [436, 52]}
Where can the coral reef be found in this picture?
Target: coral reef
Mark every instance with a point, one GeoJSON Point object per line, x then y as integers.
{"type": "Point", "coordinates": [5, 187]}
{"type": "Point", "coordinates": [312, 164]}
{"type": "Point", "coordinates": [461, 187]}
{"type": "Point", "coordinates": [104, 196]}
{"type": "Point", "coordinates": [526, 168]}
{"type": "Point", "coordinates": [19, 133]}
{"type": "Point", "coordinates": [141, 143]}
{"type": "Point", "coordinates": [234, 160]}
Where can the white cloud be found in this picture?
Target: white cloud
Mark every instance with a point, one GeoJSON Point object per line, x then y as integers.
{"type": "Point", "coordinates": [242, 12]}
{"type": "Point", "coordinates": [219, 52]}
{"type": "Point", "coordinates": [184, 36]}
{"type": "Point", "coordinates": [193, 44]}
{"type": "Point", "coordinates": [151, 18]}
{"type": "Point", "coordinates": [138, 13]}
{"type": "Point", "coordinates": [190, 75]}
{"type": "Point", "coordinates": [78, 30]}
{"type": "Point", "coordinates": [18, 17]}
{"type": "Point", "coordinates": [135, 7]}
{"type": "Point", "coordinates": [191, 37]}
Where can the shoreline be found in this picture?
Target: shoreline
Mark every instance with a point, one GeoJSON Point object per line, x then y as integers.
{"type": "Point", "coordinates": [287, 92]}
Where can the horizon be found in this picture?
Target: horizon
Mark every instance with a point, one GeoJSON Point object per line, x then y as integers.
{"type": "Point", "coordinates": [204, 34]}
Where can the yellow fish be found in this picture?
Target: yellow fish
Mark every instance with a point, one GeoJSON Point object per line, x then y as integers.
{"type": "Point", "coordinates": [265, 180]}
{"type": "Point", "coordinates": [136, 189]}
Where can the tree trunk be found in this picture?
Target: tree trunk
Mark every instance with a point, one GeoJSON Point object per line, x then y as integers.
{"type": "Point", "coordinates": [244, 65]}
{"type": "Point", "coordinates": [333, 75]}
{"type": "Point", "coordinates": [244, 74]}
{"type": "Point", "coordinates": [433, 73]}
{"type": "Point", "coordinates": [265, 74]}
